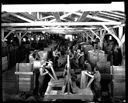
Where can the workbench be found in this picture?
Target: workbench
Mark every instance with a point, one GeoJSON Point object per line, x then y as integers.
{"type": "Point", "coordinates": [55, 91]}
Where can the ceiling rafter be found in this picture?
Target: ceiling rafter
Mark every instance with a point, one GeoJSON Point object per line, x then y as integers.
{"type": "Point", "coordinates": [59, 24]}
{"type": "Point", "coordinates": [46, 17]}
{"type": "Point", "coordinates": [62, 17]}
{"type": "Point", "coordinates": [110, 32]}
{"type": "Point", "coordinates": [83, 16]}
{"type": "Point", "coordinates": [20, 17]}
{"type": "Point", "coordinates": [117, 13]}
{"type": "Point", "coordinates": [95, 34]}
{"type": "Point", "coordinates": [57, 16]}
{"type": "Point", "coordinates": [108, 16]}
{"type": "Point", "coordinates": [4, 15]}
{"type": "Point", "coordinates": [108, 13]}
{"type": "Point", "coordinates": [95, 17]}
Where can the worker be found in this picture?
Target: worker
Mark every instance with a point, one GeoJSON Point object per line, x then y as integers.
{"type": "Point", "coordinates": [117, 56]}
{"type": "Point", "coordinates": [56, 54]}
{"type": "Point", "coordinates": [97, 85]}
{"type": "Point", "coordinates": [88, 66]}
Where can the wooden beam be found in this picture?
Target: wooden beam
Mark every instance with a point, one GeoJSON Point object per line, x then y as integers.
{"type": "Point", "coordinates": [89, 36]}
{"type": "Point", "coordinates": [95, 34]}
{"type": "Point", "coordinates": [95, 17]}
{"type": "Point", "coordinates": [4, 15]}
{"type": "Point", "coordinates": [83, 16]}
{"type": "Point", "coordinates": [108, 17]}
{"type": "Point", "coordinates": [49, 28]}
{"type": "Point", "coordinates": [57, 16]}
{"type": "Point", "coordinates": [120, 32]}
{"type": "Point", "coordinates": [123, 39]}
{"type": "Point", "coordinates": [20, 17]}
{"type": "Point", "coordinates": [24, 34]}
{"type": "Point", "coordinates": [111, 33]}
{"type": "Point", "coordinates": [117, 13]}
{"type": "Point", "coordinates": [63, 7]}
{"type": "Point", "coordinates": [9, 34]}
{"type": "Point", "coordinates": [19, 38]}
{"type": "Point", "coordinates": [2, 32]}
{"type": "Point", "coordinates": [58, 23]}
{"type": "Point", "coordinates": [62, 17]}
{"type": "Point", "coordinates": [46, 17]}
{"type": "Point", "coordinates": [102, 35]}
{"type": "Point", "coordinates": [114, 15]}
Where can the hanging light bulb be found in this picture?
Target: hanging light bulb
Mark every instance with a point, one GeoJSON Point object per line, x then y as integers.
{"type": "Point", "coordinates": [43, 32]}
{"type": "Point", "coordinates": [32, 38]}
{"type": "Point", "coordinates": [24, 39]}
{"type": "Point", "coordinates": [28, 39]}
{"type": "Point", "coordinates": [38, 38]}
{"type": "Point", "coordinates": [110, 37]}
{"type": "Point", "coordinates": [11, 41]}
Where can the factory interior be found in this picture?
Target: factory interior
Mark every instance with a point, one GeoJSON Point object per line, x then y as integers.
{"type": "Point", "coordinates": [63, 52]}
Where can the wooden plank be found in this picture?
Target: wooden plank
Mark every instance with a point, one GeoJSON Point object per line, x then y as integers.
{"type": "Point", "coordinates": [120, 32]}
{"type": "Point", "coordinates": [20, 17]}
{"type": "Point", "coordinates": [123, 39]}
{"type": "Point", "coordinates": [95, 17]}
{"type": "Point", "coordinates": [57, 16]}
{"type": "Point", "coordinates": [24, 34]}
{"type": "Point", "coordinates": [83, 16]}
{"type": "Point", "coordinates": [114, 15]}
{"type": "Point", "coordinates": [95, 34]}
{"type": "Point", "coordinates": [9, 34]}
{"type": "Point", "coordinates": [24, 73]}
{"type": "Point", "coordinates": [59, 23]}
{"type": "Point", "coordinates": [62, 17]}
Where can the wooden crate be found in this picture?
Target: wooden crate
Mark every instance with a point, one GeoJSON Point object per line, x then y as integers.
{"type": "Point", "coordinates": [118, 82]}
{"type": "Point", "coordinates": [4, 63]}
{"type": "Point", "coordinates": [52, 94]}
{"type": "Point", "coordinates": [25, 76]}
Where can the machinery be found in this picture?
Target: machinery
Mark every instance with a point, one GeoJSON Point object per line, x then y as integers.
{"type": "Point", "coordinates": [63, 88]}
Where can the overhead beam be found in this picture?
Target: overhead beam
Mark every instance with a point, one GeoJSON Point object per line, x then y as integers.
{"type": "Point", "coordinates": [123, 39]}
{"type": "Point", "coordinates": [46, 17]}
{"type": "Point", "coordinates": [89, 35]}
{"type": "Point", "coordinates": [47, 28]}
{"type": "Point", "coordinates": [111, 33]}
{"type": "Point", "coordinates": [95, 17]}
{"type": "Point", "coordinates": [9, 34]}
{"type": "Point", "coordinates": [120, 32]}
{"type": "Point", "coordinates": [114, 15]}
{"type": "Point", "coordinates": [57, 16]}
{"type": "Point", "coordinates": [95, 34]}
{"type": "Point", "coordinates": [24, 34]}
{"type": "Point", "coordinates": [5, 14]}
{"type": "Point", "coordinates": [2, 34]}
{"type": "Point", "coordinates": [117, 13]}
{"type": "Point", "coordinates": [20, 17]}
{"type": "Point", "coordinates": [83, 16]}
{"type": "Point", "coordinates": [58, 24]}
{"type": "Point", "coordinates": [62, 17]}
{"type": "Point", "coordinates": [108, 17]}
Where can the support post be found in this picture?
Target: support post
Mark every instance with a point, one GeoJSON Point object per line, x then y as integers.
{"type": "Point", "coordinates": [95, 34]}
{"type": "Point", "coordinates": [102, 35]}
{"type": "Point", "coordinates": [111, 33]}
{"type": "Point", "coordinates": [8, 34]}
{"type": "Point", "coordinates": [19, 38]}
{"type": "Point", "coordinates": [120, 32]}
{"type": "Point", "coordinates": [24, 34]}
{"type": "Point", "coordinates": [2, 34]}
